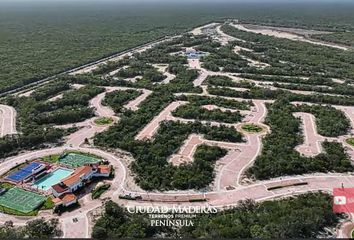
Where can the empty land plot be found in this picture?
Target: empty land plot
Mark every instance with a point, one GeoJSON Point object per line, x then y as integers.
{"type": "Point", "coordinates": [77, 160]}
{"type": "Point", "coordinates": [21, 200]}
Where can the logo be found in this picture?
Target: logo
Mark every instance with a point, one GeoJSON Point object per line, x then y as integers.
{"type": "Point", "coordinates": [343, 200]}
{"type": "Point", "coordinates": [340, 200]}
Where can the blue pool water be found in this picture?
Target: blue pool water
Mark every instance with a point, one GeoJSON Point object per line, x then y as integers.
{"type": "Point", "coordinates": [52, 178]}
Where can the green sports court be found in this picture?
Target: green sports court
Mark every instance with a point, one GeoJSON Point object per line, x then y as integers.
{"type": "Point", "coordinates": [75, 160]}
{"type": "Point", "coordinates": [21, 200]}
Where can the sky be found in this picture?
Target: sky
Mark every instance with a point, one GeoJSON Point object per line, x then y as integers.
{"type": "Point", "coordinates": [27, 3]}
{"type": "Point", "coordinates": [189, 1]}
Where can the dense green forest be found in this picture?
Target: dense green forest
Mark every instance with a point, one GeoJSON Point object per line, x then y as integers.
{"type": "Point", "coordinates": [36, 229]}
{"type": "Point", "coordinates": [220, 102]}
{"type": "Point", "coordinates": [288, 57]}
{"type": "Point", "coordinates": [266, 93]}
{"type": "Point", "coordinates": [36, 116]}
{"type": "Point", "coordinates": [117, 99]}
{"type": "Point", "coordinates": [151, 157]}
{"type": "Point", "coordinates": [330, 122]}
{"type": "Point", "coordinates": [304, 216]}
{"type": "Point", "coordinates": [345, 38]}
{"type": "Point", "coordinates": [279, 158]}
{"type": "Point", "coordinates": [37, 39]}
{"type": "Point", "coordinates": [196, 112]}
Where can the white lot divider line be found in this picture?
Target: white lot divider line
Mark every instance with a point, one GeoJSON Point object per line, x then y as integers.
{"type": "Point", "coordinates": [8, 120]}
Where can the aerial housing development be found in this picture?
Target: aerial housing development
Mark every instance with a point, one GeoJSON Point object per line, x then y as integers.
{"type": "Point", "coordinates": [249, 122]}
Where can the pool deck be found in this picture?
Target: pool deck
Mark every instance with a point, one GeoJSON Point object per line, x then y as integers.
{"type": "Point", "coordinates": [51, 178]}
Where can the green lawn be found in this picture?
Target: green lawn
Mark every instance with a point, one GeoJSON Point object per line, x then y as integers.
{"type": "Point", "coordinates": [98, 191]}
{"type": "Point", "coordinates": [51, 159]}
{"type": "Point", "coordinates": [103, 121]}
{"type": "Point", "coordinates": [252, 128]}
{"type": "Point", "coordinates": [6, 185]}
{"type": "Point", "coordinates": [350, 141]}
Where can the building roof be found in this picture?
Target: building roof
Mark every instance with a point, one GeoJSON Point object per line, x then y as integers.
{"type": "Point", "coordinates": [104, 169]}
{"type": "Point", "coordinates": [60, 188]}
{"type": "Point", "coordinates": [56, 201]}
{"type": "Point", "coordinates": [66, 198]}
{"type": "Point", "coordinates": [76, 175]}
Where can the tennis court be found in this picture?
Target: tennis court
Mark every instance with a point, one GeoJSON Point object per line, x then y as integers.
{"type": "Point", "coordinates": [21, 200]}
{"type": "Point", "coordinates": [24, 172]}
{"type": "Point", "coordinates": [75, 160]}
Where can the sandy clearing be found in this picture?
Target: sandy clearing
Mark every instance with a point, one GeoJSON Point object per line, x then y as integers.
{"type": "Point", "coordinates": [238, 49]}
{"type": "Point", "coordinates": [79, 137]}
{"type": "Point", "coordinates": [223, 38]}
{"type": "Point", "coordinates": [26, 94]}
{"type": "Point", "coordinates": [214, 107]}
{"type": "Point", "coordinates": [283, 34]}
{"type": "Point", "coordinates": [194, 64]}
{"type": "Point", "coordinates": [7, 120]}
{"type": "Point", "coordinates": [296, 31]}
{"type": "Point", "coordinates": [77, 86]}
{"type": "Point", "coordinates": [337, 80]}
{"type": "Point", "coordinates": [200, 30]}
{"type": "Point", "coordinates": [57, 97]}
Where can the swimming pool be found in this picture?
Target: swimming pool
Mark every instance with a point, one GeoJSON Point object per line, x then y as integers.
{"type": "Point", "coordinates": [52, 178]}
